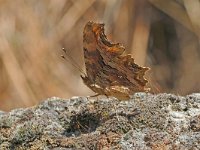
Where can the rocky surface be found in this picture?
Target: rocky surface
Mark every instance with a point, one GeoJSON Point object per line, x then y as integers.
{"type": "Point", "coordinates": [145, 122]}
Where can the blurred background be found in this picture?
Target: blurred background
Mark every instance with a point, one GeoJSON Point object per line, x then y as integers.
{"type": "Point", "coordinates": [163, 35]}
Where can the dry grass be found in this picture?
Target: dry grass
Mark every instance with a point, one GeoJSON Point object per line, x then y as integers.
{"type": "Point", "coordinates": [163, 35]}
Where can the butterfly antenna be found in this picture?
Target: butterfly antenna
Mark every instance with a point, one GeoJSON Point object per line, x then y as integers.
{"type": "Point", "coordinates": [73, 62]}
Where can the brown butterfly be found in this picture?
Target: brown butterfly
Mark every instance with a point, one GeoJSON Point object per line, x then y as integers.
{"type": "Point", "coordinates": [108, 71]}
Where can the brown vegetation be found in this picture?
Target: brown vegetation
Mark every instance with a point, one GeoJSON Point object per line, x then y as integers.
{"type": "Point", "coordinates": [163, 35]}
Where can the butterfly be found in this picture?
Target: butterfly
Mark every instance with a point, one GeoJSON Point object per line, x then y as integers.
{"type": "Point", "coordinates": [108, 71]}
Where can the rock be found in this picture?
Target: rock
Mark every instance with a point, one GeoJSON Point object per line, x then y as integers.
{"type": "Point", "coordinates": [146, 121]}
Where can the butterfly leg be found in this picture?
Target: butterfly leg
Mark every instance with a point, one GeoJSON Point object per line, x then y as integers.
{"type": "Point", "coordinates": [95, 95]}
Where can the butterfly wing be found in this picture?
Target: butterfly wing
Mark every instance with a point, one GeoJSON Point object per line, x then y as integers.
{"type": "Point", "coordinates": [109, 72]}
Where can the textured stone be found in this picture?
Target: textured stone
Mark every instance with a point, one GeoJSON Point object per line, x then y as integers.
{"type": "Point", "coordinates": [146, 121]}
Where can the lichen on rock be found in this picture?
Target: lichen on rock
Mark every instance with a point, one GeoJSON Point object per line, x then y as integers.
{"type": "Point", "coordinates": [146, 121]}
